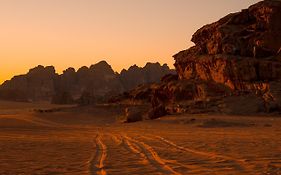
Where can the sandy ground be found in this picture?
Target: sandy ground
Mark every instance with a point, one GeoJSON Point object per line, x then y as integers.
{"type": "Point", "coordinates": [91, 141]}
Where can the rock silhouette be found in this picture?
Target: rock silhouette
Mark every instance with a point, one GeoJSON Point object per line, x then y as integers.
{"type": "Point", "coordinates": [135, 75]}
{"type": "Point", "coordinates": [88, 85]}
{"type": "Point", "coordinates": [37, 84]}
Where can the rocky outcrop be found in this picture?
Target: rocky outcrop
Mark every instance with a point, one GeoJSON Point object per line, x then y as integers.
{"type": "Point", "coordinates": [235, 59]}
{"type": "Point", "coordinates": [37, 84]}
{"type": "Point", "coordinates": [134, 114]}
{"type": "Point", "coordinates": [234, 68]}
{"type": "Point", "coordinates": [150, 73]}
{"type": "Point", "coordinates": [238, 73]}
{"type": "Point", "coordinates": [176, 91]}
{"type": "Point", "coordinates": [96, 82]}
{"type": "Point", "coordinates": [253, 32]}
{"type": "Point", "coordinates": [241, 50]}
{"type": "Point", "coordinates": [88, 85]}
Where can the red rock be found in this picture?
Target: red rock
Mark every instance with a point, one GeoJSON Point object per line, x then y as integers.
{"type": "Point", "coordinates": [256, 28]}
{"type": "Point", "coordinates": [241, 50]}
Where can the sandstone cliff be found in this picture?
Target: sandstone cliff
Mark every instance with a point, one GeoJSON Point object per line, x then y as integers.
{"type": "Point", "coordinates": [240, 51]}
{"type": "Point", "coordinates": [234, 67]}
{"type": "Point", "coordinates": [240, 48]}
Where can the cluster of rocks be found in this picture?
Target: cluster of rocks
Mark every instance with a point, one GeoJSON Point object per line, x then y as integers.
{"type": "Point", "coordinates": [234, 67]}
{"type": "Point", "coordinates": [86, 86]}
{"type": "Point", "coordinates": [240, 51]}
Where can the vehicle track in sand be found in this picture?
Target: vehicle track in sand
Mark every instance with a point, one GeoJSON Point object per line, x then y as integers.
{"type": "Point", "coordinates": [133, 148]}
{"type": "Point", "coordinates": [243, 165]}
{"type": "Point", "coordinates": [138, 152]}
{"type": "Point", "coordinates": [97, 162]}
{"type": "Point", "coordinates": [147, 153]}
{"type": "Point", "coordinates": [124, 157]}
{"type": "Point", "coordinates": [116, 139]}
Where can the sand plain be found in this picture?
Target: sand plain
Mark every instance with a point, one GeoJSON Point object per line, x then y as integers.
{"type": "Point", "coordinates": [90, 140]}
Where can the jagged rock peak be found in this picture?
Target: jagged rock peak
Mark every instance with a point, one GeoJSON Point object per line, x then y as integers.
{"type": "Point", "coordinates": [152, 64]}
{"type": "Point", "coordinates": [82, 69]}
{"type": "Point", "coordinates": [70, 70]}
{"type": "Point", "coordinates": [151, 72]}
{"type": "Point", "coordinates": [147, 66]}
{"type": "Point", "coordinates": [41, 69]}
{"type": "Point", "coordinates": [100, 65]}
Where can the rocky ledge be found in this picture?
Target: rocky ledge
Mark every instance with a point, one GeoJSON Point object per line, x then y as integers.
{"type": "Point", "coordinates": [241, 51]}
{"type": "Point", "coordinates": [234, 67]}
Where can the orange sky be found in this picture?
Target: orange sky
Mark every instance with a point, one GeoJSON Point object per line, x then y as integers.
{"type": "Point", "coordinates": [75, 33]}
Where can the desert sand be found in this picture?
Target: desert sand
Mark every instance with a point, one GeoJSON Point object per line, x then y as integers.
{"type": "Point", "coordinates": [91, 140]}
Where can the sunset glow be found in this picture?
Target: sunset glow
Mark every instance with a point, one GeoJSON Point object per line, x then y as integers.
{"type": "Point", "coordinates": [74, 33]}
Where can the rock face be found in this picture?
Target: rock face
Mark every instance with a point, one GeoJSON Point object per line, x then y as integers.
{"type": "Point", "coordinates": [86, 86]}
{"type": "Point", "coordinates": [253, 32]}
{"type": "Point", "coordinates": [37, 84]}
{"type": "Point", "coordinates": [150, 73]}
{"type": "Point", "coordinates": [234, 67]}
{"type": "Point", "coordinates": [95, 82]}
{"type": "Point", "coordinates": [241, 50]}
{"type": "Point", "coordinates": [239, 73]}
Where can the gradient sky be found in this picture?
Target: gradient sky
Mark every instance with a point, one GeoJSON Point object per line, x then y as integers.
{"type": "Point", "coordinates": [75, 33]}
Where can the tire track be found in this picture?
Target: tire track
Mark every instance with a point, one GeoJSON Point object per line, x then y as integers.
{"type": "Point", "coordinates": [190, 168]}
{"type": "Point", "coordinates": [135, 149]}
{"type": "Point", "coordinates": [211, 155]}
{"type": "Point", "coordinates": [148, 153]}
{"type": "Point", "coordinates": [116, 139]}
{"type": "Point", "coordinates": [97, 161]}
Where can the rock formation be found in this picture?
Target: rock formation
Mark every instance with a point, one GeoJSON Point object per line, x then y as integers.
{"type": "Point", "coordinates": [150, 73]}
{"type": "Point", "coordinates": [95, 82]}
{"type": "Point", "coordinates": [37, 84]}
{"type": "Point", "coordinates": [240, 51]}
{"type": "Point", "coordinates": [88, 85]}
{"type": "Point", "coordinates": [235, 59]}
{"type": "Point", "coordinates": [254, 29]}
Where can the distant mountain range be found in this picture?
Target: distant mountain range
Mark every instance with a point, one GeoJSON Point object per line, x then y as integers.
{"type": "Point", "coordinates": [87, 85]}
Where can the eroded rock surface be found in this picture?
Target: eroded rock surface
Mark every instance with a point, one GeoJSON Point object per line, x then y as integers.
{"type": "Point", "coordinates": [240, 51]}
{"type": "Point", "coordinates": [239, 33]}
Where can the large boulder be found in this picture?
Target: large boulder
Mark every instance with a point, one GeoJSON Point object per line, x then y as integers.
{"type": "Point", "coordinates": [134, 114]}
